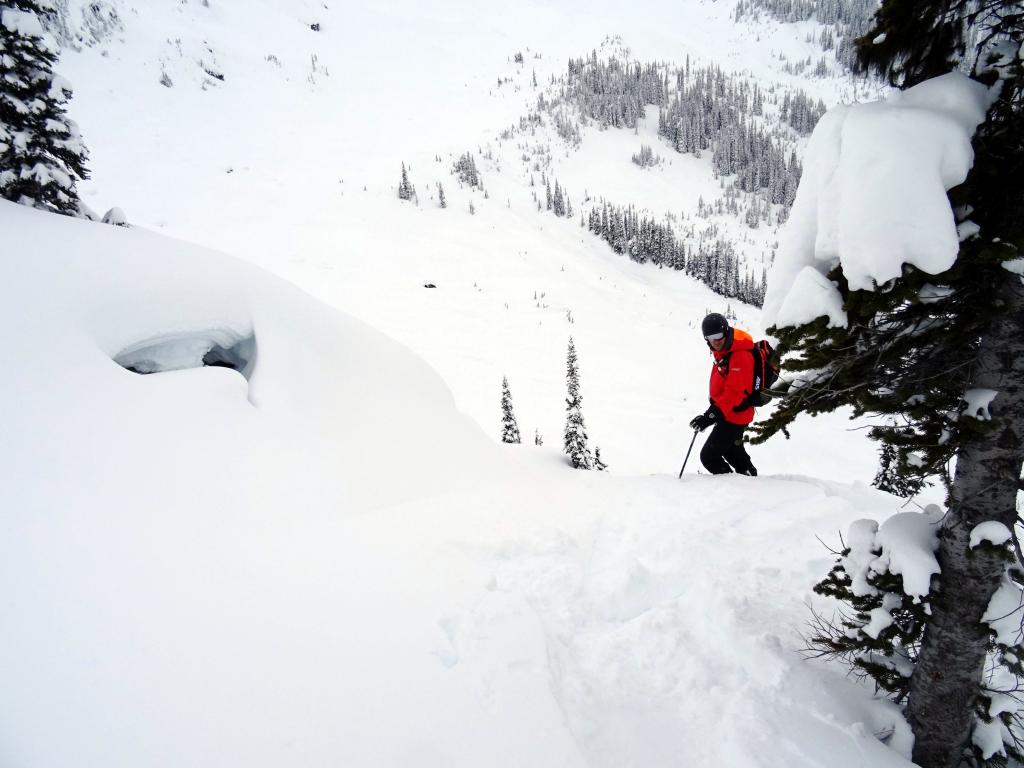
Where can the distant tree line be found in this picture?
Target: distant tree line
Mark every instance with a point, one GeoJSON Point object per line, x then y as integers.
{"type": "Point", "coordinates": [714, 261]}
{"type": "Point", "coordinates": [711, 110]}
{"type": "Point", "coordinates": [849, 20]}
{"type": "Point", "coordinates": [800, 112]}
{"type": "Point", "coordinates": [700, 110]}
{"type": "Point", "coordinates": [751, 135]}
{"type": "Point", "coordinates": [614, 93]}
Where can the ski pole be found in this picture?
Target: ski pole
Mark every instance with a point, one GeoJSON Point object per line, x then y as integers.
{"type": "Point", "coordinates": [688, 454]}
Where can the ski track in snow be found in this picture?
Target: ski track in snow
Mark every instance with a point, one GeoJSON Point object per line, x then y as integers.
{"type": "Point", "coordinates": [671, 633]}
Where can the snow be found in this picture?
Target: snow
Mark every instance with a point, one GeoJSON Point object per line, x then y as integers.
{"type": "Point", "coordinates": [908, 541]}
{"type": "Point", "coordinates": [930, 294]}
{"type": "Point", "coordinates": [966, 230]}
{"type": "Point", "coordinates": [879, 619]}
{"type": "Point", "coordinates": [988, 737]}
{"type": "Point", "coordinates": [1002, 689]}
{"type": "Point", "coordinates": [1000, 55]}
{"type": "Point", "coordinates": [813, 295]}
{"type": "Point", "coordinates": [179, 350]}
{"type": "Point", "coordinates": [323, 556]}
{"type": "Point", "coordinates": [992, 532]}
{"type": "Point", "coordinates": [116, 216]}
{"type": "Point", "coordinates": [334, 228]}
{"type": "Point", "coordinates": [45, 174]}
{"type": "Point", "coordinates": [21, 23]}
{"type": "Point", "coordinates": [861, 541]}
{"type": "Point", "coordinates": [1016, 266]}
{"type": "Point", "coordinates": [873, 194]}
{"type": "Point", "coordinates": [1004, 612]}
{"type": "Point", "coordinates": [916, 459]}
{"type": "Point", "coordinates": [904, 545]}
{"type": "Point", "coordinates": [978, 402]}
{"type": "Point", "coordinates": [281, 567]}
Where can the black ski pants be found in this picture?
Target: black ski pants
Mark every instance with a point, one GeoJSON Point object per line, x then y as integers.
{"type": "Point", "coordinates": [724, 447]}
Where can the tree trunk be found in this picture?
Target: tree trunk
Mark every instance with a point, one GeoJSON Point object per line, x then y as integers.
{"type": "Point", "coordinates": [947, 680]}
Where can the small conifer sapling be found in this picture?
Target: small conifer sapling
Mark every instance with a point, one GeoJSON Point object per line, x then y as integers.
{"type": "Point", "coordinates": [574, 442]}
{"type": "Point", "coordinates": [405, 189]}
{"type": "Point", "coordinates": [509, 428]}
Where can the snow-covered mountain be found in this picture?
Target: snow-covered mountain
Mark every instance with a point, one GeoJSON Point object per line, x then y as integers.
{"type": "Point", "coordinates": [324, 556]}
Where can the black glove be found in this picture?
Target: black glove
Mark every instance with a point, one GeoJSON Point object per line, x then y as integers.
{"type": "Point", "coordinates": [702, 422]}
{"type": "Point", "coordinates": [706, 419]}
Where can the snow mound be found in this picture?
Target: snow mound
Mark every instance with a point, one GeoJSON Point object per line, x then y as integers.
{"type": "Point", "coordinates": [342, 397]}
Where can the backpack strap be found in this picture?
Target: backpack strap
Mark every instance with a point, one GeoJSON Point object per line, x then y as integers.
{"type": "Point", "coordinates": [753, 397]}
{"type": "Point", "coordinates": [759, 362]}
{"type": "Point", "coordinates": [723, 364]}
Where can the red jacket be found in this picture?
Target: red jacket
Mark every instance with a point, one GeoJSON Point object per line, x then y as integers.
{"type": "Point", "coordinates": [732, 377]}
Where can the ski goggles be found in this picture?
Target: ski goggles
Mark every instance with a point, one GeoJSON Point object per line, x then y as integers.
{"type": "Point", "coordinates": [715, 336]}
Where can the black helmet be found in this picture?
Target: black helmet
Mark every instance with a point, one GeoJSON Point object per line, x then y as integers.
{"type": "Point", "coordinates": [714, 324]}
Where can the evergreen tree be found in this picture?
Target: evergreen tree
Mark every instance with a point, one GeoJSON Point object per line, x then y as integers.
{"type": "Point", "coordinates": [440, 196]}
{"type": "Point", "coordinates": [883, 654]}
{"type": "Point", "coordinates": [599, 465]}
{"type": "Point", "coordinates": [405, 190]}
{"type": "Point", "coordinates": [465, 169]}
{"type": "Point", "coordinates": [910, 353]}
{"type": "Point", "coordinates": [509, 428]}
{"type": "Point", "coordinates": [574, 443]}
{"type": "Point", "coordinates": [41, 151]}
{"type": "Point", "coordinates": [891, 479]}
{"type": "Point", "coordinates": [753, 217]}
{"type": "Point", "coordinates": [538, 438]}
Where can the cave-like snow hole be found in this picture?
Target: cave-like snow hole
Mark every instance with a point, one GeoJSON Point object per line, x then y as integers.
{"type": "Point", "coordinates": [174, 352]}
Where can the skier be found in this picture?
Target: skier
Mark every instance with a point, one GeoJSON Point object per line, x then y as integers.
{"type": "Point", "coordinates": [732, 381]}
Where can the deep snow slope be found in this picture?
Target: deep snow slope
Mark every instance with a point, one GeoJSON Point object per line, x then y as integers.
{"type": "Point", "coordinates": [283, 145]}
{"type": "Point", "coordinates": [314, 559]}
{"type": "Point", "coordinates": [325, 557]}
